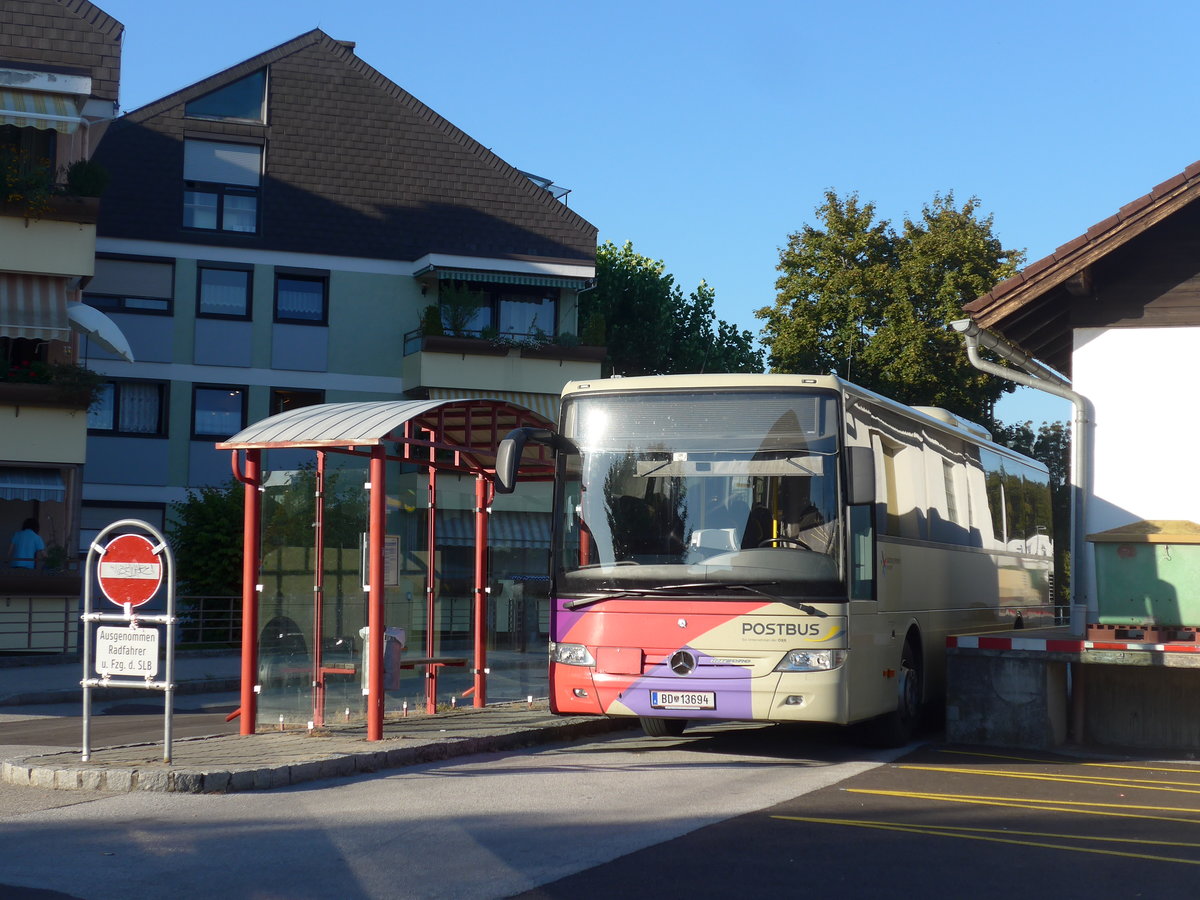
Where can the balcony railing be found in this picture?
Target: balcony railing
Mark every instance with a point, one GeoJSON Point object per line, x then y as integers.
{"type": "Point", "coordinates": [480, 344]}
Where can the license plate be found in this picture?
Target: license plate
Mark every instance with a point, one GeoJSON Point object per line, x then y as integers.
{"type": "Point", "coordinates": [683, 700]}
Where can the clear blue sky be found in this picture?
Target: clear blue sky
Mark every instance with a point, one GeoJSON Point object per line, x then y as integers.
{"type": "Point", "coordinates": [706, 132]}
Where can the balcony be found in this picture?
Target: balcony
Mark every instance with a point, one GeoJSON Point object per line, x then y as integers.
{"type": "Point", "coordinates": [48, 228]}
{"type": "Point", "coordinates": [59, 240]}
{"type": "Point", "coordinates": [46, 421]}
{"type": "Point", "coordinates": [521, 363]}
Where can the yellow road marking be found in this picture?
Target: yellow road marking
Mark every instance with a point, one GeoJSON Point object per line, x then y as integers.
{"type": "Point", "coordinates": [1188, 770]}
{"type": "Point", "coordinates": [1178, 787]}
{"type": "Point", "coordinates": [982, 834]}
{"type": "Point", "coordinates": [1068, 806]}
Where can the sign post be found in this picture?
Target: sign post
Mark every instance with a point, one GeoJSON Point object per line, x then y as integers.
{"type": "Point", "coordinates": [130, 569]}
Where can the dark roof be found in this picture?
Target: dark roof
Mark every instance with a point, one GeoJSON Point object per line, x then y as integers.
{"type": "Point", "coordinates": [71, 34]}
{"type": "Point", "coordinates": [1033, 309]}
{"type": "Point", "coordinates": [355, 166]}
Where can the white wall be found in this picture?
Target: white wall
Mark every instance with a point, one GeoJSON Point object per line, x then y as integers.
{"type": "Point", "coordinates": [1144, 384]}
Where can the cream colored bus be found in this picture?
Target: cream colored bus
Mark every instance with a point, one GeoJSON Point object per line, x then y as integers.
{"type": "Point", "coordinates": [777, 548]}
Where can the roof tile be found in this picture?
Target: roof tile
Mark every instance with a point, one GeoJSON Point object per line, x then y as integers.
{"type": "Point", "coordinates": [1104, 225]}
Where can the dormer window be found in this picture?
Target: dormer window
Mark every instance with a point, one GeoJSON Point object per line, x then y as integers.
{"type": "Point", "coordinates": [221, 185]}
{"type": "Point", "coordinates": [242, 101]}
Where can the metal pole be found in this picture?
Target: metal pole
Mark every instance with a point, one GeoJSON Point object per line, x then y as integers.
{"type": "Point", "coordinates": [87, 653]}
{"type": "Point", "coordinates": [430, 601]}
{"type": "Point", "coordinates": [169, 669]}
{"type": "Point", "coordinates": [481, 588]}
{"type": "Point", "coordinates": [376, 636]}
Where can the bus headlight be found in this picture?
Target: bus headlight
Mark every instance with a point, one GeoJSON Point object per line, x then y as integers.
{"type": "Point", "coordinates": [811, 660]}
{"type": "Point", "coordinates": [571, 654]}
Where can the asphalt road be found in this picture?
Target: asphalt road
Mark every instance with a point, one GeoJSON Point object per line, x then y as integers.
{"type": "Point", "coordinates": [116, 723]}
{"type": "Point", "coordinates": [766, 811]}
{"type": "Point", "coordinates": [941, 822]}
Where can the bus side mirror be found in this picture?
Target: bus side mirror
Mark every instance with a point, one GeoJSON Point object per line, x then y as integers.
{"type": "Point", "coordinates": [508, 454]}
{"type": "Point", "coordinates": [860, 466]}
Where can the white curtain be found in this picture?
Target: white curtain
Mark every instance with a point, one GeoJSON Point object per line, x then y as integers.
{"type": "Point", "coordinates": [140, 408]}
{"type": "Point", "coordinates": [224, 292]}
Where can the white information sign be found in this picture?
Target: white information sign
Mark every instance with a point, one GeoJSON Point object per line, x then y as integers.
{"type": "Point", "coordinates": [127, 651]}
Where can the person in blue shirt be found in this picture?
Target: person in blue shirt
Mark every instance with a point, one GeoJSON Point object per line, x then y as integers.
{"type": "Point", "coordinates": [27, 548]}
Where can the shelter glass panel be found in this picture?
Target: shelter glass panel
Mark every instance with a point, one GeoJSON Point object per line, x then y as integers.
{"type": "Point", "coordinates": [286, 602]}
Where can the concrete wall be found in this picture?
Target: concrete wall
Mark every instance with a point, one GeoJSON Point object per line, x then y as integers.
{"type": "Point", "coordinates": [1012, 699]}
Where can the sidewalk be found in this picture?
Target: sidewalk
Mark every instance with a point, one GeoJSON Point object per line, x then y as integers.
{"type": "Point", "coordinates": [269, 759]}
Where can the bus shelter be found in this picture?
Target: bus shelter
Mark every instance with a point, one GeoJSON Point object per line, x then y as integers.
{"type": "Point", "coordinates": [341, 553]}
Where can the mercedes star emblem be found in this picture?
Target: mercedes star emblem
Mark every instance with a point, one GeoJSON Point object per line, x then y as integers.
{"type": "Point", "coordinates": [683, 662]}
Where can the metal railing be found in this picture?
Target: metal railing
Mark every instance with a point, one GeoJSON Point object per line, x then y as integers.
{"type": "Point", "coordinates": [52, 624]}
{"type": "Point", "coordinates": [209, 622]}
{"type": "Point", "coordinates": [39, 624]}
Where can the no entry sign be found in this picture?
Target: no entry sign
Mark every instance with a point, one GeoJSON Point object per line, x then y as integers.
{"type": "Point", "coordinates": [130, 571]}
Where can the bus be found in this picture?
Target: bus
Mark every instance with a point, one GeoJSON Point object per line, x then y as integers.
{"type": "Point", "coordinates": [776, 548]}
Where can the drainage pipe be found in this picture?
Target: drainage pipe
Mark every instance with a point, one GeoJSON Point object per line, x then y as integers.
{"type": "Point", "coordinates": [1030, 373]}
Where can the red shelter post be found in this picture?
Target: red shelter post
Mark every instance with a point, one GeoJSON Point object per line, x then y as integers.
{"type": "Point", "coordinates": [251, 524]}
{"type": "Point", "coordinates": [482, 502]}
{"type": "Point", "coordinates": [431, 597]}
{"type": "Point", "coordinates": [375, 535]}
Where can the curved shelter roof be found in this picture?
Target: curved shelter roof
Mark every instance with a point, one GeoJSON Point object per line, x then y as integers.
{"type": "Point", "coordinates": [470, 428]}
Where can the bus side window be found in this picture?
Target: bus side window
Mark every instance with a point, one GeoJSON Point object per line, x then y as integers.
{"type": "Point", "coordinates": [862, 551]}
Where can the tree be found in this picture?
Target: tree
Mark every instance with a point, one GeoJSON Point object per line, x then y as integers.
{"type": "Point", "coordinates": [206, 538]}
{"type": "Point", "coordinates": [859, 299]}
{"type": "Point", "coordinates": [651, 328]}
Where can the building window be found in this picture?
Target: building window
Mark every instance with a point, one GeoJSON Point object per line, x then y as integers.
{"type": "Point", "coordinates": [221, 186]}
{"type": "Point", "coordinates": [301, 299]}
{"type": "Point", "coordinates": [129, 408]}
{"type": "Point", "coordinates": [285, 399]}
{"type": "Point", "coordinates": [223, 292]}
{"type": "Point", "coordinates": [132, 285]}
{"type": "Point", "coordinates": [218, 411]}
{"type": "Point", "coordinates": [472, 308]}
{"type": "Point", "coordinates": [240, 101]}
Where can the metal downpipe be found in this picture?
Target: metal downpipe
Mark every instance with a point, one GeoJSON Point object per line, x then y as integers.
{"type": "Point", "coordinates": [1033, 374]}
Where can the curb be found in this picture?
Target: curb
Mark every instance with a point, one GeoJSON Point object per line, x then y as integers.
{"type": "Point", "coordinates": [217, 779]}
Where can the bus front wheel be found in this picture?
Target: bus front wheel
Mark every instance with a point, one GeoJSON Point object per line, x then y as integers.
{"type": "Point", "coordinates": [895, 729]}
{"type": "Point", "coordinates": [657, 727]}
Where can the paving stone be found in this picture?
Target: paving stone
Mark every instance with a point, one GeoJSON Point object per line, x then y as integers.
{"type": "Point", "coordinates": [153, 780]}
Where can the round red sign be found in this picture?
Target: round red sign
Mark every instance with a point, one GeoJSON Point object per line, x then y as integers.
{"type": "Point", "coordinates": [130, 571]}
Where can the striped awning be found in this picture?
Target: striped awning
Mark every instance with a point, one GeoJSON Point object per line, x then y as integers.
{"type": "Point", "coordinates": [34, 306]}
{"type": "Point", "coordinates": [545, 405]}
{"type": "Point", "coordinates": [33, 109]}
{"type": "Point", "coordinates": [552, 281]}
{"type": "Point", "coordinates": [31, 484]}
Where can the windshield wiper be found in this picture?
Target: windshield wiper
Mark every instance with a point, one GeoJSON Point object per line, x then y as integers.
{"type": "Point", "coordinates": [668, 590]}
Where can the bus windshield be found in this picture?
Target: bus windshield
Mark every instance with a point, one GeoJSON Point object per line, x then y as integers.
{"type": "Point", "coordinates": [699, 490]}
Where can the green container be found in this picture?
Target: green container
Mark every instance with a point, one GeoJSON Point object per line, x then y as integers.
{"type": "Point", "coordinates": [1148, 573]}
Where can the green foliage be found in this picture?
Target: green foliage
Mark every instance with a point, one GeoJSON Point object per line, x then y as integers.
{"type": "Point", "coordinates": [206, 537]}
{"type": "Point", "coordinates": [85, 178]}
{"type": "Point", "coordinates": [651, 328]}
{"type": "Point", "coordinates": [431, 320]}
{"type": "Point", "coordinates": [595, 329]}
{"type": "Point", "coordinates": [459, 307]}
{"type": "Point", "coordinates": [72, 383]}
{"type": "Point", "coordinates": [859, 299]}
{"type": "Point", "coordinates": [26, 181]}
